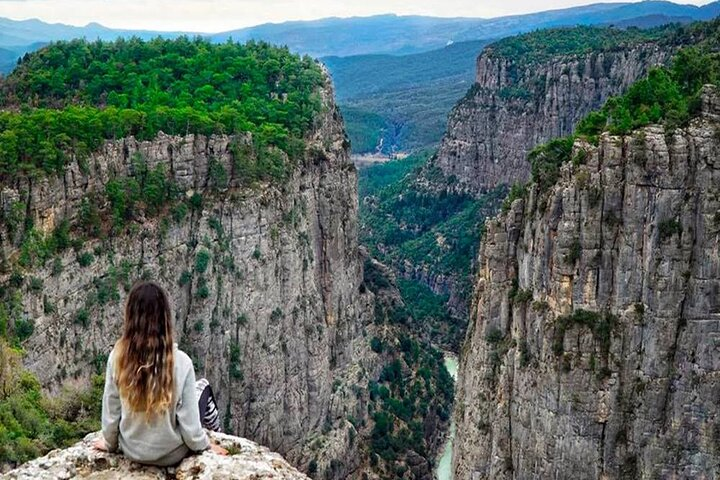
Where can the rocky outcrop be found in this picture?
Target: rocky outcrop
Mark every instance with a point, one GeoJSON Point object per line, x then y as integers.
{"type": "Point", "coordinates": [593, 350]}
{"type": "Point", "coordinates": [514, 107]}
{"type": "Point", "coordinates": [265, 281]}
{"type": "Point", "coordinates": [247, 461]}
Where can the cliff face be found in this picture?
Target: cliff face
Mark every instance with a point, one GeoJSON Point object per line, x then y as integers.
{"type": "Point", "coordinates": [248, 461]}
{"type": "Point", "coordinates": [513, 108]}
{"type": "Point", "coordinates": [265, 284]}
{"type": "Point", "coordinates": [592, 350]}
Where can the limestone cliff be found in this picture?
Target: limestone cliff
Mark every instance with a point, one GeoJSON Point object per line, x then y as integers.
{"type": "Point", "coordinates": [515, 106]}
{"type": "Point", "coordinates": [265, 282]}
{"type": "Point", "coordinates": [247, 461]}
{"type": "Point", "coordinates": [593, 350]}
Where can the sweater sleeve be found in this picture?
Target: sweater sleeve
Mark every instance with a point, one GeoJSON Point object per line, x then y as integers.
{"type": "Point", "coordinates": [111, 408]}
{"type": "Point", "coordinates": [188, 416]}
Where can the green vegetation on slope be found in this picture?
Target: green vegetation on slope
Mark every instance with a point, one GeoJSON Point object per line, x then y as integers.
{"type": "Point", "coordinates": [374, 178]}
{"type": "Point", "coordinates": [542, 45]}
{"type": "Point", "coordinates": [414, 391]}
{"type": "Point", "coordinates": [65, 99]}
{"type": "Point", "coordinates": [669, 95]}
{"type": "Point", "coordinates": [434, 231]}
{"type": "Point", "coordinates": [32, 423]}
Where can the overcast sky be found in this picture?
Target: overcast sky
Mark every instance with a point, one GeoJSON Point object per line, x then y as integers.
{"type": "Point", "coordinates": [219, 15]}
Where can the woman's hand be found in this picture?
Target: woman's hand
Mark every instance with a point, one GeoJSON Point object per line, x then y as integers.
{"type": "Point", "coordinates": [99, 444]}
{"type": "Point", "coordinates": [218, 449]}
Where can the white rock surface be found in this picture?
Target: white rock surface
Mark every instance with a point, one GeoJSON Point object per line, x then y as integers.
{"type": "Point", "coordinates": [250, 461]}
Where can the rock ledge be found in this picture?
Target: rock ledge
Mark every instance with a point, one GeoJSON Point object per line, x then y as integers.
{"type": "Point", "coordinates": [249, 461]}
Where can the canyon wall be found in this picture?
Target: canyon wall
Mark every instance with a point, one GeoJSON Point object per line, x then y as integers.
{"type": "Point", "coordinates": [515, 106]}
{"type": "Point", "coordinates": [592, 350]}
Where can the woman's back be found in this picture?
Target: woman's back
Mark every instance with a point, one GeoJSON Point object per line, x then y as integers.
{"type": "Point", "coordinates": [165, 439]}
{"type": "Point", "coordinates": [150, 409]}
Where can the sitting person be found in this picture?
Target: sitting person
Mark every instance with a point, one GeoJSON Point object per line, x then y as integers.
{"type": "Point", "coordinates": [150, 406]}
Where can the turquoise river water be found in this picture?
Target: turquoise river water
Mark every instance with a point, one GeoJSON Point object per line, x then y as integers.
{"type": "Point", "coordinates": [444, 468]}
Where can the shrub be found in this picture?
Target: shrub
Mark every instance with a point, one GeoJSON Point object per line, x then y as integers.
{"type": "Point", "coordinates": [574, 253]}
{"type": "Point", "coordinates": [235, 371]}
{"type": "Point", "coordinates": [546, 160]}
{"type": "Point", "coordinates": [522, 296]}
{"type": "Point", "coordinates": [203, 291]}
{"type": "Point", "coordinates": [85, 259]}
{"type": "Point", "coordinates": [668, 228]}
{"type": "Point", "coordinates": [601, 325]}
{"type": "Point", "coordinates": [185, 278]}
{"type": "Point", "coordinates": [36, 284]}
{"type": "Point", "coordinates": [180, 211]}
{"type": "Point", "coordinates": [202, 259]}
{"type": "Point", "coordinates": [196, 201]}
{"type": "Point", "coordinates": [494, 335]}
{"type": "Point", "coordinates": [82, 317]}
{"type": "Point", "coordinates": [23, 329]}
{"type": "Point", "coordinates": [376, 345]}
{"type": "Point", "coordinates": [516, 191]}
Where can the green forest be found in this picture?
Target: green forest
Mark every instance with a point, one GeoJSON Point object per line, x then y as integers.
{"type": "Point", "coordinates": [541, 45]}
{"type": "Point", "coordinates": [67, 98]}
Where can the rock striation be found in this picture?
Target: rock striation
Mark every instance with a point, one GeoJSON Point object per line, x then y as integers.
{"type": "Point", "coordinates": [265, 281]}
{"type": "Point", "coordinates": [592, 350]}
{"type": "Point", "coordinates": [514, 107]}
{"type": "Point", "coordinates": [248, 461]}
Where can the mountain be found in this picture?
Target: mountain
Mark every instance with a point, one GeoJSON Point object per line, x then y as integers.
{"type": "Point", "coordinates": [411, 34]}
{"type": "Point", "coordinates": [650, 21]}
{"type": "Point", "coordinates": [398, 101]}
{"type": "Point", "coordinates": [24, 32]}
{"type": "Point", "coordinates": [358, 35]}
{"type": "Point", "coordinates": [401, 102]}
{"type": "Point", "coordinates": [427, 224]}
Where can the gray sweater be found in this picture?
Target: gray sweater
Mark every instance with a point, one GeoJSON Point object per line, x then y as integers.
{"type": "Point", "coordinates": [168, 438]}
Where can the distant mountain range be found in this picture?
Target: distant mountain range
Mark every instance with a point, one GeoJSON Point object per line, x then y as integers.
{"type": "Point", "coordinates": [389, 34]}
{"type": "Point", "coordinates": [411, 34]}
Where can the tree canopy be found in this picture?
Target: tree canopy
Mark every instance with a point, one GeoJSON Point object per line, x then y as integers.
{"type": "Point", "coordinates": [67, 98]}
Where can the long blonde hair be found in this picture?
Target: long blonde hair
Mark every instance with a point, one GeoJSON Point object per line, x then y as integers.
{"type": "Point", "coordinates": [144, 361]}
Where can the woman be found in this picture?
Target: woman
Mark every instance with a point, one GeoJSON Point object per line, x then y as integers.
{"type": "Point", "coordinates": [150, 406]}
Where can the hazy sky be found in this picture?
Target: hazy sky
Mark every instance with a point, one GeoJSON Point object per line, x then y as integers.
{"type": "Point", "coordinates": [218, 15]}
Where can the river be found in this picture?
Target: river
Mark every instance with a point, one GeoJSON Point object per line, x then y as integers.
{"type": "Point", "coordinates": [444, 468]}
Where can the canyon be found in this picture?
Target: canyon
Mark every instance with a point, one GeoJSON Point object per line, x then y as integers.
{"type": "Point", "coordinates": [591, 346]}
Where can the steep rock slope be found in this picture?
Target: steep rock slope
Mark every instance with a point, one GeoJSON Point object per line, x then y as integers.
{"type": "Point", "coordinates": [592, 350]}
{"type": "Point", "coordinates": [265, 282]}
{"type": "Point", "coordinates": [247, 461]}
{"type": "Point", "coordinates": [516, 105]}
